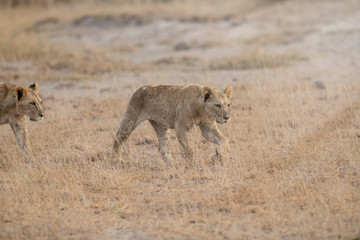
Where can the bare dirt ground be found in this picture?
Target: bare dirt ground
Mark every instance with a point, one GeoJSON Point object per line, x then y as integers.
{"type": "Point", "coordinates": [293, 171]}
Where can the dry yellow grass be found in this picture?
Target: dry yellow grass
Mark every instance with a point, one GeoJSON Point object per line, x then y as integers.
{"type": "Point", "coordinates": [293, 171]}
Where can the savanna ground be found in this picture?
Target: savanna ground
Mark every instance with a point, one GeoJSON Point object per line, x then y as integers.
{"type": "Point", "coordinates": [293, 171]}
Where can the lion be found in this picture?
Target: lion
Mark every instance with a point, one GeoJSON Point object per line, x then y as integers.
{"type": "Point", "coordinates": [17, 102]}
{"type": "Point", "coordinates": [180, 108]}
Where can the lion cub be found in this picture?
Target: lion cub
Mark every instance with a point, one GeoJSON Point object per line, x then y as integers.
{"type": "Point", "coordinates": [179, 108]}
{"type": "Point", "coordinates": [16, 102]}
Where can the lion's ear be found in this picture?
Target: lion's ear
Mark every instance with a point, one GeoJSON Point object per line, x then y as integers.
{"type": "Point", "coordinates": [34, 86]}
{"type": "Point", "coordinates": [19, 93]}
{"type": "Point", "coordinates": [206, 94]}
{"type": "Point", "coordinates": [228, 91]}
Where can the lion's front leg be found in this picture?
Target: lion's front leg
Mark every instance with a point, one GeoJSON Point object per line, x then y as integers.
{"type": "Point", "coordinates": [211, 133]}
{"type": "Point", "coordinates": [21, 134]}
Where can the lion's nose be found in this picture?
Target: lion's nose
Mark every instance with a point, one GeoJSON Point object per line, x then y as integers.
{"type": "Point", "coordinates": [226, 118]}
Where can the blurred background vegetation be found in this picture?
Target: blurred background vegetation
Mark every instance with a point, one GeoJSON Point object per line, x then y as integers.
{"type": "Point", "coordinates": [47, 3]}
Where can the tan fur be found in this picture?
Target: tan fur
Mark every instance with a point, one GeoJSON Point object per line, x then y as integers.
{"type": "Point", "coordinates": [179, 108]}
{"type": "Point", "coordinates": [16, 102]}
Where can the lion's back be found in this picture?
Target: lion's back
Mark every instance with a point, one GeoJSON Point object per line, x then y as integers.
{"type": "Point", "coordinates": [159, 102]}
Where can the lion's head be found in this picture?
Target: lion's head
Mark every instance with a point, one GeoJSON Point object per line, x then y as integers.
{"type": "Point", "coordinates": [28, 102]}
{"type": "Point", "coordinates": [217, 103]}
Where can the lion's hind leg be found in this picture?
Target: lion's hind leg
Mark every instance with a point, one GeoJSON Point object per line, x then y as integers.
{"type": "Point", "coordinates": [128, 123]}
{"type": "Point", "coordinates": [163, 136]}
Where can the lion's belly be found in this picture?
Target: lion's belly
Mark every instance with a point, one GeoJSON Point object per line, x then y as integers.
{"type": "Point", "coordinates": [4, 119]}
{"type": "Point", "coordinates": [165, 119]}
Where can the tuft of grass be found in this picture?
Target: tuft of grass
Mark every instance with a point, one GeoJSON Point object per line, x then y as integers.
{"type": "Point", "coordinates": [179, 62]}
{"type": "Point", "coordinates": [255, 59]}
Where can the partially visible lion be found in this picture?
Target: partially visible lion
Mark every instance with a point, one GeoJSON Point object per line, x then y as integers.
{"type": "Point", "coordinates": [179, 108]}
{"type": "Point", "coordinates": [16, 102]}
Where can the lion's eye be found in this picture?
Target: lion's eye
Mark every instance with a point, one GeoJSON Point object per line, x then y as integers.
{"type": "Point", "coordinates": [229, 105]}
{"type": "Point", "coordinates": [34, 104]}
{"type": "Point", "coordinates": [218, 105]}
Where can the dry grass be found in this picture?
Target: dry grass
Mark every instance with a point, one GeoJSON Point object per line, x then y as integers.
{"type": "Point", "coordinates": [292, 172]}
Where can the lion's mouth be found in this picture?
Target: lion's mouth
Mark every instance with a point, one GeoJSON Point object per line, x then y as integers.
{"type": "Point", "coordinates": [223, 122]}
{"type": "Point", "coordinates": [35, 119]}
